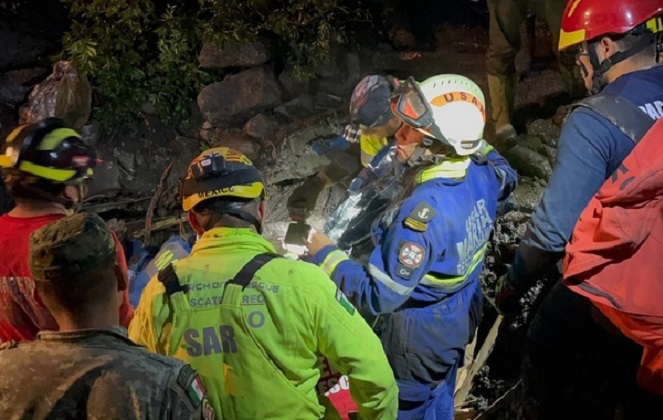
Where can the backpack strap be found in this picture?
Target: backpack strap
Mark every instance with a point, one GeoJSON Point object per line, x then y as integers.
{"type": "Point", "coordinates": [621, 112]}
{"type": "Point", "coordinates": [246, 274]}
{"type": "Point", "coordinates": [171, 282]}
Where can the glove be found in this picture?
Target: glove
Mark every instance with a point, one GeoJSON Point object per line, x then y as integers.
{"type": "Point", "coordinates": [303, 199]}
{"type": "Point", "coordinates": [507, 297]}
{"type": "Point", "coordinates": [324, 146]}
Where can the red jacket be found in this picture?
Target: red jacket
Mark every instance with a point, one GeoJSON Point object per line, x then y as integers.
{"type": "Point", "coordinates": [22, 314]}
{"type": "Point", "coordinates": [614, 257]}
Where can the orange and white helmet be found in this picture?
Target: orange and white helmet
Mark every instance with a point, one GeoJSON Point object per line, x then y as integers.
{"type": "Point", "coordinates": [449, 108]}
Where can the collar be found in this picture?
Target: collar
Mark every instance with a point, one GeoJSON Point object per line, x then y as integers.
{"type": "Point", "coordinates": [449, 168]}
{"type": "Point", "coordinates": [83, 334]}
{"type": "Point", "coordinates": [237, 238]}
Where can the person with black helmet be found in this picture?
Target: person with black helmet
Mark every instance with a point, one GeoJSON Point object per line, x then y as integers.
{"type": "Point", "coordinates": [372, 126]}
{"type": "Point", "coordinates": [44, 166]}
{"type": "Point", "coordinates": [253, 324]}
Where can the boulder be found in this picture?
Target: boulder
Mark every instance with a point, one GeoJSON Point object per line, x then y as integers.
{"type": "Point", "coordinates": [65, 94]}
{"type": "Point", "coordinates": [529, 162]}
{"type": "Point", "coordinates": [233, 54]}
{"type": "Point", "coordinates": [235, 139]}
{"type": "Point", "coordinates": [339, 85]}
{"type": "Point", "coordinates": [16, 84]}
{"type": "Point", "coordinates": [238, 97]}
{"type": "Point", "coordinates": [327, 68]}
{"type": "Point", "coordinates": [327, 101]}
{"type": "Point", "coordinates": [260, 126]}
{"type": "Point", "coordinates": [353, 68]}
{"type": "Point", "coordinates": [299, 107]}
{"type": "Point", "coordinates": [292, 86]}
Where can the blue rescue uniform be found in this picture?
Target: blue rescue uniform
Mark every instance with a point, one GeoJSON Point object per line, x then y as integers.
{"type": "Point", "coordinates": [424, 275]}
{"type": "Point", "coordinates": [590, 149]}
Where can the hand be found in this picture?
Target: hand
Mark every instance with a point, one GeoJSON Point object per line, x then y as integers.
{"type": "Point", "coordinates": [317, 241]}
{"type": "Point", "coordinates": [507, 298]}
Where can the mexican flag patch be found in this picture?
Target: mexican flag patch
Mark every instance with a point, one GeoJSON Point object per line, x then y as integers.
{"type": "Point", "coordinates": [196, 391]}
{"type": "Point", "coordinates": [343, 300]}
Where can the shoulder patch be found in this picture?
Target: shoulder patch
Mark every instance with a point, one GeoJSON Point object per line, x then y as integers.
{"type": "Point", "coordinates": [411, 255]}
{"type": "Point", "coordinates": [190, 381]}
{"type": "Point", "coordinates": [345, 303]}
{"type": "Point", "coordinates": [422, 213]}
{"type": "Point", "coordinates": [403, 271]}
{"type": "Point", "coordinates": [415, 224]}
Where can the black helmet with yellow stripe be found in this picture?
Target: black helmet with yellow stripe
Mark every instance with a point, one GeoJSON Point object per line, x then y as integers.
{"type": "Point", "coordinates": [38, 160]}
{"type": "Point", "coordinates": [223, 173]}
{"type": "Point", "coordinates": [48, 150]}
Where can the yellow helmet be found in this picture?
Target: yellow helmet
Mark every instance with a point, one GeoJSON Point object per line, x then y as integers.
{"type": "Point", "coordinates": [220, 172]}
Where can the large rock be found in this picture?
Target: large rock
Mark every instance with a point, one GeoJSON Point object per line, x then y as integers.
{"type": "Point", "coordinates": [65, 94]}
{"type": "Point", "coordinates": [260, 126]}
{"type": "Point", "coordinates": [239, 96]}
{"type": "Point", "coordinates": [340, 85]}
{"type": "Point", "coordinates": [233, 54]}
{"type": "Point", "coordinates": [235, 139]}
{"type": "Point", "coordinates": [327, 101]}
{"type": "Point", "coordinates": [529, 162]}
{"type": "Point", "coordinates": [292, 86]}
{"type": "Point", "coordinates": [299, 107]}
{"type": "Point", "coordinates": [16, 84]}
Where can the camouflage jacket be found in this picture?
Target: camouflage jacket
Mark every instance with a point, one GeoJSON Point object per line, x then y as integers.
{"type": "Point", "coordinates": [96, 374]}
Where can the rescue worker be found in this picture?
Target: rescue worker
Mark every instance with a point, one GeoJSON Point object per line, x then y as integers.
{"type": "Point", "coordinates": [372, 126]}
{"type": "Point", "coordinates": [423, 274]}
{"type": "Point", "coordinates": [89, 369]}
{"type": "Point", "coordinates": [506, 19]}
{"type": "Point", "coordinates": [618, 234]}
{"type": "Point", "coordinates": [255, 325]}
{"type": "Point", "coordinates": [44, 166]}
{"type": "Point", "coordinates": [617, 57]}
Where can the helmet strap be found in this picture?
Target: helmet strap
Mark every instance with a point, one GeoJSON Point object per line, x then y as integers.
{"type": "Point", "coordinates": [419, 157]}
{"type": "Point", "coordinates": [601, 68]}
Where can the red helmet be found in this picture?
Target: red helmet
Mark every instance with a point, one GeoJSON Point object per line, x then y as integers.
{"type": "Point", "coordinates": [584, 20]}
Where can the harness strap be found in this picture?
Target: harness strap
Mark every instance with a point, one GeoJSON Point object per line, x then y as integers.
{"type": "Point", "coordinates": [171, 282]}
{"type": "Point", "coordinates": [246, 274]}
{"type": "Point", "coordinates": [621, 112]}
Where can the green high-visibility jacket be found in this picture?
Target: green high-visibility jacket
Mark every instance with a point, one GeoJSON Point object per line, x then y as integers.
{"type": "Point", "coordinates": [258, 350]}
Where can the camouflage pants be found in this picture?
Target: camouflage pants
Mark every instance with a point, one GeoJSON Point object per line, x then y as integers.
{"type": "Point", "coordinates": [506, 19]}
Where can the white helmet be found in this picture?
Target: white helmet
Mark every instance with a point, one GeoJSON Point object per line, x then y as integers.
{"type": "Point", "coordinates": [452, 110]}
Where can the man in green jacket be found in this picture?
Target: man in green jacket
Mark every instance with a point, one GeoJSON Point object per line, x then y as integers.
{"type": "Point", "coordinates": [254, 325]}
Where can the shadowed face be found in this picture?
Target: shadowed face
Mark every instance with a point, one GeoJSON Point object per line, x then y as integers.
{"type": "Point", "coordinates": [407, 140]}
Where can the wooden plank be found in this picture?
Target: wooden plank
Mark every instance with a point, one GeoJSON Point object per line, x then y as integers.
{"type": "Point", "coordinates": [481, 359]}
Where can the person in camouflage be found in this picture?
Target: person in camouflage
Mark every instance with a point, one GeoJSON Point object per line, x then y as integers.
{"type": "Point", "coordinates": [89, 369]}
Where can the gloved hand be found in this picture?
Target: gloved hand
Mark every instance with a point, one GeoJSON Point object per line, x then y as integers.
{"type": "Point", "coordinates": [507, 297]}
{"type": "Point", "coordinates": [324, 146]}
{"type": "Point", "coordinates": [301, 202]}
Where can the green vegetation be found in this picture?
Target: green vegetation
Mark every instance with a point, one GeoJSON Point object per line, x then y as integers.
{"type": "Point", "coordinates": [146, 50]}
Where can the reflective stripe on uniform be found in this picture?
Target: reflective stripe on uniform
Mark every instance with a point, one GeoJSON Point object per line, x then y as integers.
{"type": "Point", "coordinates": [451, 282]}
{"type": "Point", "coordinates": [451, 168]}
{"type": "Point", "coordinates": [332, 260]}
{"type": "Point", "coordinates": [384, 278]}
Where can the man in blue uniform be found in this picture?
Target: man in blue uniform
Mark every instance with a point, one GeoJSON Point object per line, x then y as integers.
{"type": "Point", "coordinates": [617, 57]}
{"type": "Point", "coordinates": [423, 274]}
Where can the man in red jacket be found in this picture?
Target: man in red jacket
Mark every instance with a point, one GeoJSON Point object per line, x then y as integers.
{"type": "Point", "coordinates": [614, 256]}
{"type": "Point", "coordinates": [43, 166]}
